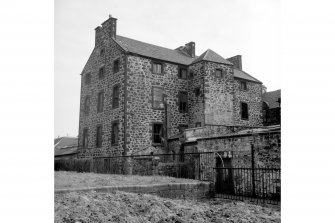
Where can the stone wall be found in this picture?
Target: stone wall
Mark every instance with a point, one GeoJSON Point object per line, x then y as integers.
{"type": "Point", "coordinates": [253, 97]}
{"type": "Point", "coordinates": [219, 94]}
{"type": "Point", "coordinates": [140, 112]}
{"type": "Point", "coordinates": [90, 121]}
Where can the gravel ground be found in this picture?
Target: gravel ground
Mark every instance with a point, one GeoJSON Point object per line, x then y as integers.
{"type": "Point", "coordinates": [64, 180]}
{"type": "Point", "coordinates": [129, 207]}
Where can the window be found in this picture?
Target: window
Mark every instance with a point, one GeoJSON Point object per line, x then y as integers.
{"type": "Point", "coordinates": [102, 52]}
{"type": "Point", "coordinates": [115, 132]}
{"type": "Point", "coordinates": [85, 138]}
{"type": "Point", "coordinates": [157, 132]}
{"type": "Point", "coordinates": [244, 111]}
{"type": "Point", "coordinates": [243, 85]}
{"type": "Point", "coordinates": [101, 72]}
{"type": "Point", "coordinates": [87, 105]}
{"type": "Point", "coordinates": [191, 74]}
{"type": "Point", "coordinates": [100, 106]}
{"type": "Point", "coordinates": [198, 124]}
{"type": "Point", "coordinates": [157, 98]}
{"type": "Point", "coordinates": [197, 92]}
{"type": "Point", "coordinates": [218, 73]}
{"type": "Point", "coordinates": [88, 78]}
{"type": "Point", "coordinates": [157, 68]}
{"type": "Point", "coordinates": [99, 136]}
{"type": "Point", "coordinates": [182, 128]}
{"type": "Point", "coordinates": [183, 101]}
{"type": "Point", "coordinates": [115, 103]}
{"type": "Point", "coordinates": [183, 73]}
{"type": "Point", "coordinates": [116, 65]}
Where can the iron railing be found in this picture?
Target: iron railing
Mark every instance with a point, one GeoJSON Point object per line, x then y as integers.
{"type": "Point", "coordinates": [254, 184]}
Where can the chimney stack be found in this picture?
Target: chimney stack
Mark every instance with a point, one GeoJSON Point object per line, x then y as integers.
{"type": "Point", "coordinates": [237, 61]}
{"type": "Point", "coordinates": [110, 26]}
{"type": "Point", "coordinates": [190, 49]}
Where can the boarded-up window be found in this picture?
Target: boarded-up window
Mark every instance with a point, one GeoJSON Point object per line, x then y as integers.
{"type": "Point", "coordinates": [100, 106]}
{"type": "Point", "coordinates": [87, 105]}
{"type": "Point", "coordinates": [115, 132]}
{"type": "Point", "coordinates": [244, 110]}
{"type": "Point", "coordinates": [183, 73]}
{"type": "Point", "coordinates": [85, 138]}
{"type": "Point", "coordinates": [115, 103]}
{"type": "Point", "coordinates": [99, 136]}
{"type": "Point", "coordinates": [183, 101]}
{"type": "Point", "coordinates": [157, 133]}
{"type": "Point", "coordinates": [157, 68]}
{"type": "Point", "coordinates": [116, 67]}
{"type": "Point", "coordinates": [157, 98]}
{"type": "Point", "coordinates": [218, 73]}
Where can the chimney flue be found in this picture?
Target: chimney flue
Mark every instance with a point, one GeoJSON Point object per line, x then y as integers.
{"type": "Point", "coordinates": [237, 61]}
{"type": "Point", "coordinates": [110, 26]}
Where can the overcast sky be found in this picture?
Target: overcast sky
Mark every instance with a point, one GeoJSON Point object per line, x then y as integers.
{"type": "Point", "coordinates": [250, 28]}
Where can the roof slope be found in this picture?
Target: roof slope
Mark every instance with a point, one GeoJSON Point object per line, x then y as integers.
{"type": "Point", "coordinates": [271, 98]}
{"type": "Point", "coordinates": [64, 142]}
{"type": "Point", "coordinates": [244, 75]}
{"type": "Point", "coordinates": [66, 151]}
{"type": "Point", "coordinates": [153, 51]}
{"type": "Point", "coordinates": [210, 55]}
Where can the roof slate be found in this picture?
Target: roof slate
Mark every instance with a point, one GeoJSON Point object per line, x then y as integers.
{"type": "Point", "coordinates": [244, 75]}
{"type": "Point", "coordinates": [210, 55]}
{"type": "Point", "coordinates": [64, 142]}
{"type": "Point", "coordinates": [176, 56]}
{"type": "Point", "coordinates": [153, 51]}
{"type": "Point", "coordinates": [271, 98]}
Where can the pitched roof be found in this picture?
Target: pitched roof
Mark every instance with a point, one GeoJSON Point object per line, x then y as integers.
{"type": "Point", "coordinates": [64, 142]}
{"type": "Point", "coordinates": [66, 151]}
{"type": "Point", "coordinates": [244, 75]}
{"type": "Point", "coordinates": [271, 98]}
{"type": "Point", "coordinates": [153, 51]}
{"type": "Point", "coordinates": [210, 55]}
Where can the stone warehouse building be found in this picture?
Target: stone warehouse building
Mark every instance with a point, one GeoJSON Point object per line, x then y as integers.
{"type": "Point", "coordinates": [137, 96]}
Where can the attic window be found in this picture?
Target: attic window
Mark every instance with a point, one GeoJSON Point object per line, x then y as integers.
{"type": "Point", "coordinates": [243, 85]}
{"type": "Point", "coordinates": [157, 68]}
{"type": "Point", "coordinates": [182, 73]}
{"type": "Point", "coordinates": [116, 67]}
{"type": "Point", "coordinates": [101, 72]}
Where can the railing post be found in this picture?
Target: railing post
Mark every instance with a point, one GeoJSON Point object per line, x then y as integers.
{"type": "Point", "coordinates": [253, 170]}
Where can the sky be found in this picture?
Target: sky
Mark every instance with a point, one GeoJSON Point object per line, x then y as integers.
{"type": "Point", "coordinates": [250, 28]}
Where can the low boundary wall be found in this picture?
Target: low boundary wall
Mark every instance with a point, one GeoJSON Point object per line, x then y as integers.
{"type": "Point", "coordinates": [192, 191]}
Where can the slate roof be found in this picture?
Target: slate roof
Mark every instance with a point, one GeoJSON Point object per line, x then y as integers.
{"type": "Point", "coordinates": [64, 142]}
{"type": "Point", "coordinates": [244, 75]}
{"type": "Point", "coordinates": [153, 51]}
{"type": "Point", "coordinates": [66, 151]}
{"type": "Point", "coordinates": [175, 56]}
{"type": "Point", "coordinates": [210, 55]}
{"type": "Point", "coordinates": [271, 98]}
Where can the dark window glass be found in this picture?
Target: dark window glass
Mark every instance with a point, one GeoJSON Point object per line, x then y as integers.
{"type": "Point", "coordinates": [116, 67]}
{"type": "Point", "coordinates": [115, 103]}
{"type": "Point", "coordinates": [85, 138]}
{"type": "Point", "coordinates": [88, 78]}
{"type": "Point", "coordinates": [244, 111]}
{"type": "Point", "coordinates": [101, 72]}
{"type": "Point", "coordinates": [157, 97]}
{"type": "Point", "coordinates": [99, 136]}
{"type": "Point", "coordinates": [157, 68]}
{"type": "Point", "coordinates": [183, 73]}
{"type": "Point", "coordinates": [183, 101]}
{"type": "Point", "coordinates": [197, 91]}
{"type": "Point", "coordinates": [115, 132]}
{"type": "Point", "coordinates": [157, 133]}
{"type": "Point", "coordinates": [198, 124]}
{"type": "Point", "coordinates": [218, 73]}
{"type": "Point", "coordinates": [87, 105]}
{"type": "Point", "coordinates": [100, 102]}
{"type": "Point", "coordinates": [243, 85]}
